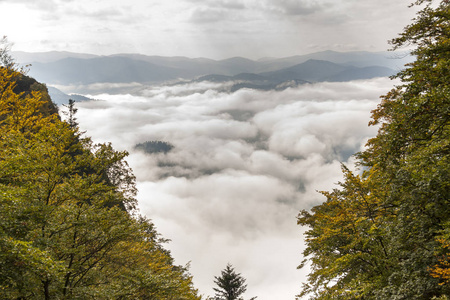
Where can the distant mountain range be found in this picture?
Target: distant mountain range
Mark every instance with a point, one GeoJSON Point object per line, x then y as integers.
{"type": "Point", "coordinates": [66, 68]}
{"type": "Point", "coordinates": [60, 97]}
{"type": "Point", "coordinates": [307, 72]}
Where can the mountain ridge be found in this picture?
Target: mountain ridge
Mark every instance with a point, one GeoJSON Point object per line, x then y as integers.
{"type": "Point", "coordinates": [78, 69]}
{"type": "Point", "coordinates": [307, 72]}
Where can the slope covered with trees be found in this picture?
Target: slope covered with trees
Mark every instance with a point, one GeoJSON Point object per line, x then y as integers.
{"type": "Point", "coordinates": [385, 234]}
{"type": "Point", "coordinates": [69, 228]}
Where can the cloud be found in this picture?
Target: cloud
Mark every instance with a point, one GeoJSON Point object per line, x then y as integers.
{"type": "Point", "coordinates": [37, 4]}
{"type": "Point", "coordinates": [238, 12]}
{"type": "Point", "coordinates": [294, 7]}
{"type": "Point", "coordinates": [208, 15]}
{"type": "Point", "coordinates": [217, 11]}
{"type": "Point", "coordinates": [226, 4]}
{"type": "Point", "coordinates": [242, 166]}
{"type": "Point", "coordinates": [102, 14]}
{"type": "Point", "coordinates": [204, 28]}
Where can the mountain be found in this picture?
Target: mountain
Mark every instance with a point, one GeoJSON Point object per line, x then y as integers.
{"type": "Point", "coordinates": [319, 70]}
{"type": "Point", "coordinates": [249, 76]}
{"type": "Point", "coordinates": [236, 65]}
{"type": "Point", "coordinates": [361, 73]}
{"type": "Point", "coordinates": [102, 69]}
{"type": "Point", "coordinates": [309, 71]}
{"type": "Point", "coordinates": [46, 57]}
{"type": "Point", "coordinates": [59, 97]}
{"type": "Point", "coordinates": [77, 69]}
{"type": "Point", "coordinates": [192, 67]}
{"type": "Point", "coordinates": [360, 59]}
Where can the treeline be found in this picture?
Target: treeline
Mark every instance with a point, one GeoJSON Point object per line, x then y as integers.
{"type": "Point", "coordinates": [69, 228]}
{"type": "Point", "coordinates": [385, 233]}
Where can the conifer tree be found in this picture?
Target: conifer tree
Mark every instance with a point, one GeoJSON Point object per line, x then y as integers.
{"type": "Point", "coordinates": [231, 285]}
{"type": "Point", "coordinates": [70, 113]}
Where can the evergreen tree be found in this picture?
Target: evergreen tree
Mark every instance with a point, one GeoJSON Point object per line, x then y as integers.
{"type": "Point", "coordinates": [231, 285]}
{"type": "Point", "coordinates": [70, 113]}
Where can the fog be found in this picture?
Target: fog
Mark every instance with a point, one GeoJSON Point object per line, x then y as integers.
{"type": "Point", "coordinates": [242, 167]}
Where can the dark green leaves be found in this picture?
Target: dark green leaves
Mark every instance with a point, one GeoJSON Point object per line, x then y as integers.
{"type": "Point", "coordinates": [380, 235]}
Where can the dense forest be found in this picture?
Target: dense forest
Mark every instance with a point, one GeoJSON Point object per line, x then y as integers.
{"type": "Point", "coordinates": [385, 233]}
{"type": "Point", "coordinates": [69, 228]}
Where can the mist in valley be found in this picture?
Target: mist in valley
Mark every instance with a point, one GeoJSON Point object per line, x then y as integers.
{"type": "Point", "coordinates": [240, 167]}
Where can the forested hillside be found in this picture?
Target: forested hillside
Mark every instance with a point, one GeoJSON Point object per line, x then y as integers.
{"type": "Point", "coordinates": [69, 228]}
{"type": "Point", "coordinates": [385, 233]}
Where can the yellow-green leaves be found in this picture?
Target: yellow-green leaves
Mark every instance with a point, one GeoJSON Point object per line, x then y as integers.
{"type": "Point", "coordinates": [346, 243]}
{"type": "Point", "coordinates": [69, 228]}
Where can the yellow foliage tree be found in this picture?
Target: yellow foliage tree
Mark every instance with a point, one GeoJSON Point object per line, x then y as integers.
{"type": "Point", "coordinates": [69, 228]}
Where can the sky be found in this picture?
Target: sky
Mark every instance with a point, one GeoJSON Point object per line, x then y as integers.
{"type": "Point", "coordinates": [214, 29]}
{"type": "Point", "coordinates": [243, 165]}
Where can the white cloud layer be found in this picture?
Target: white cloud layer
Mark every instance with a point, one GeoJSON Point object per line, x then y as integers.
{"type": "Point", "coordinates": [242, 167]}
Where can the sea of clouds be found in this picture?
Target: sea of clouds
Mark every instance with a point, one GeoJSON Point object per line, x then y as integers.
{"type": "Point", "coordinates": [242, 167]}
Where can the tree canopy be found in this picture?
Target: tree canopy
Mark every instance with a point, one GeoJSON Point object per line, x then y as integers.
{"type": "Point", "coordinates": [384, 234]}
{"type": "Point", "coordinates": [69, 227]}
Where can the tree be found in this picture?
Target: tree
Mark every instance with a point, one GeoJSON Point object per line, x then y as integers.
{"type": "Point", "coordinates": [231, 285]}
{"type": "Point", "coordinates": [69, 228]}
{"type": "Point", "coordinates": [442, 269]}
{"type": "Point", "coordinates": [6, 60]}
{"type": "Point", "coordinates": [70, 113]}
{"type": "Point", "coordinates": [151, 147]}
{"type": "Point", "coordinates": [384, 234]}
{"type": "Point", "coordinates": [347, 240]}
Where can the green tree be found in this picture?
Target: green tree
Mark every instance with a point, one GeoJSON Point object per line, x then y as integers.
{"type": "Point", "coordinates": [347, 240]}
{"type": "Point", "coordinates": [231, 285]}
{"type": "Point", "coordinates": [70, 113]}
{"type": "Point", "coordinates": [383, 234]}
{"type": "Point", "coordinates": [69, 228]}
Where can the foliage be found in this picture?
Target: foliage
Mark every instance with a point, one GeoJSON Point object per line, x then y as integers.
{"type": "Point", "coordinates": [69, 228]}
{"type": "Point", "coordinates": [442, 269]}
{"type": "Point", "coordinates": [231, 285]}
{"type": "Point", "coordinates": [384, 234]}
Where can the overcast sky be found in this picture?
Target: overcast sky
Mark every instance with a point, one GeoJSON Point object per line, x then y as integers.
{"type": "Point", "coordinates": [203, 28]}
